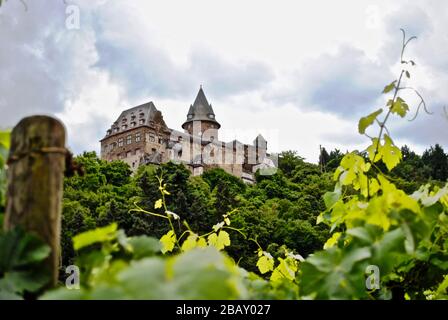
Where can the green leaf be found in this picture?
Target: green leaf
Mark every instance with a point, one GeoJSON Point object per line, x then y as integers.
{"type": "Point", "coordinates": [18, 249]}
{"type": "Point", "coordinates": [330, 198]}
{"type": "Point", "coordinates": [205, 274]}
{"type": "Point", "coordinates": [389, 87]}
{"type": "Point", "coordinates": [144, 246]}
{"type": "Point", "coordinates": [285, 270]}
{"type": "Point", "coordinates": [365, 122]}
{"type": "Point", "coordinates": [145, 279]}
{"type": "Point", "coordinates": [190, 242]}
{"type": "Point", "coordinates": [5, 139]}
{"type": "Point", "coordinates": [220, 241]}
{"type": "Point", "coordinates": [374, 150]}
{"type": "Point", "coordinates": [168, 241]}
{"type": "Point", "coordinates": [88, 238]}
{"type": "Point", "coordinates": [391, 155]}
{"type": "Point", "coordinates": [158, 204]}
{"type": "Point", "coordinates": [400, 107]}
{"type": "Point", "coordinates": [21, 281]}
{"type": "Point", "coordinates": [332, 240]}
{"type": "Point", "coordinates": [265, 263]}
{"type": "Point", "coordinates": [335, 274]}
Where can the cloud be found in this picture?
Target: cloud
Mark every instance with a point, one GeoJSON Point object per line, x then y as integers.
{"type": "Point", "coordinates": [147, 69]}
{"type": "Point", "coordinates": [346, 83]}
{"type": "Point", "coordinates": [28, 82]}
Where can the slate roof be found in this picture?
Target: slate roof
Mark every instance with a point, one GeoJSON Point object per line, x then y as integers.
{"type": "Point", "coordinates": [201, 110]}
{"type": "Point", "coordinates": [146, 111]}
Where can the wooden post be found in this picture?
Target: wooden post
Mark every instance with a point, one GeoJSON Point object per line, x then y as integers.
{"type": "Point", "coordinates": [35, 179]}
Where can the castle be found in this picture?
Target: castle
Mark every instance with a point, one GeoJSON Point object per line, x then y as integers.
{"type": "Point", "coordinates": [140, 136]}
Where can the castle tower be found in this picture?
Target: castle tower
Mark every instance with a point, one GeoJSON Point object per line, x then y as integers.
{"type": "Point", "coordinates": [201, 120]}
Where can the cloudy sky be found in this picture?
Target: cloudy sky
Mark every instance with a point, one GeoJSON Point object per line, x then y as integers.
{"type": "Point", "coordinates": [299, 72]}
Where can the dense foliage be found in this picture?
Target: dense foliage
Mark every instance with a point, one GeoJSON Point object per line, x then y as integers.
{"type": "Point", "coordinates": [278, 211]}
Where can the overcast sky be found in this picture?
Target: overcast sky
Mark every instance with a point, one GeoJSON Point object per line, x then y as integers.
{"type": "Point", "coordinates": [299, 72]}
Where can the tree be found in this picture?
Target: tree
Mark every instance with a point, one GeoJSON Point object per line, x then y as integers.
{"type": "Point", "coordinates": [324, 157]}
{"type": "Point", "coordinates": [436, 159]}
{"type": "Point", "coordinates": [288, 160]}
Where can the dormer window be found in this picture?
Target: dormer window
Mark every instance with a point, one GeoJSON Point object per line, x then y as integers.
{"type": "Point", "coordinates": [124, 127]}
{"type": "Point", "coordinates": [116, 129]}
{"type": "Point", "coordinates": [211, 116]}
{"type": "Point", "coordinates": [141, 121]}
{"type": "Point", "coordinates": [141, 115]}
{"type": "Point", "coordinates": [124, 120]}
{"type": "Point", "coordinates": [109, 132]}
{"type": "Point", "coordinates": [133, 124]}
{"type": "Point", "coordinates": [190, 116]}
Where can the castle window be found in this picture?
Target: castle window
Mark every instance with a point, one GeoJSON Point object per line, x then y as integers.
{"type": "Point", "coordinates": [109, 132]}
{"type": "Point", "coordinates": [211, 116]}
{"type": "Point", "coordinates": [120, 142]}
{"type": "Point", "coordinates": [116, 129]}
{"type": "Point", "coordinates": [129, 140]}
{"type": "Point", "coordinates": [112, 146]}
{"type": "Point", "coordinates": [152, 138]}
{"type": "Point", "coordinates": [190, 116]}
{"type": "Point", "coordinates": [124, 127]}
{"type": "Point", "coordinates": [138, 137]}
{"type": "Point", "coordinates": [133, 124]}
{"type": "Point", "coordinates": [160, 140]}
{"type": "Point", "coordinates": [141, 115]}
{"type": "Point", "coordinates": [141, 121]}
{"type": "Point", "coordinates": [124, 120]}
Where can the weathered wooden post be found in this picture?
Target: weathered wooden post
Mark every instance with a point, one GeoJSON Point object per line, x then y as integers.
{"type": "Point", "coordinates": [35, 178]}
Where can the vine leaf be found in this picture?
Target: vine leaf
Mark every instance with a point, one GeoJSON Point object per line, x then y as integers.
{"type": "Point", "coordinates": [168, 241]}
{"type": "Point", "coordinates": [367, 121]}
{"type": "Point", "coordinates": [391, 154]}
{"type": "Point", "coordinates": [190, 242]}
{"type": "Point", "coordinates": [399, 107]}
{"type": "Point", "coordinates": [87, 238]}
{"type": "Point", "coordinates": [158, 204]}
{"type": "Point", "coordinates": [390, 87]}
{"type": "Point", "coordinates": [332, 241]}
{"type": "Point", "coordinates": [220, 240]}
{"type": "Point", "coordinates": [265, 262]}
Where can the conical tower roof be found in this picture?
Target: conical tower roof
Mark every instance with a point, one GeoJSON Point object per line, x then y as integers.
{"type": "Point", "coordinates": [201, 110]}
